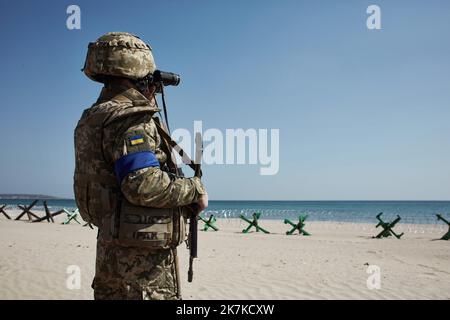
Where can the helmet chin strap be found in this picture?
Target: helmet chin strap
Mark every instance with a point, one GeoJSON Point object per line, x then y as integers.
{"type": "Point", "coordinates": [166, 118]}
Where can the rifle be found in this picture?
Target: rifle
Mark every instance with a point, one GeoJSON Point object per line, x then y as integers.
{"type": "Point", "coordinates": [193, 219]}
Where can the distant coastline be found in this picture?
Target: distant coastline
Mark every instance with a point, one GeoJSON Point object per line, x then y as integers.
{"type": "Point", "coordinates": [27, 196]}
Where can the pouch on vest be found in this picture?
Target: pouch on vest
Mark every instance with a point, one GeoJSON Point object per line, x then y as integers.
{"type": "Point", "coordinates": [152, 228]}
{"type": "Point", "coordinates": [82, 201]}
{"type": "Point", "coordinates": [94, 199]}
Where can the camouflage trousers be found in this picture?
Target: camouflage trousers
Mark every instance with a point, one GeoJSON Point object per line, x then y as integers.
{"type": "Point", "coordinates": [131, 273]}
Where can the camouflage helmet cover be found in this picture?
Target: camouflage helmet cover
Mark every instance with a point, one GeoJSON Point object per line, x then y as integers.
{"type": "Point", "coordinates": [118, 54]}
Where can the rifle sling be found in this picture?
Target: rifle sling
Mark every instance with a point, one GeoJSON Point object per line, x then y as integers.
{"type": "Point", "coordinates": [175, 146]}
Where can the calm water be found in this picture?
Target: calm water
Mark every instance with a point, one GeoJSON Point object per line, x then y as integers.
{"type": "Point", "coordinates": [344, 211]}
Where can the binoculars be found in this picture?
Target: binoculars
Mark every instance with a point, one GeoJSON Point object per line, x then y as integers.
{"type": "Point", "coordinates": [164, 78]}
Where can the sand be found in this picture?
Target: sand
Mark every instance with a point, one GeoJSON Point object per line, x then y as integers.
{"type": "Point", "coordinates": [331, 264]}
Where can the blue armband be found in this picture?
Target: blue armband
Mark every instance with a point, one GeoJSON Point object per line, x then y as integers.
{"type": "Point", "coordinates": [134, 161]}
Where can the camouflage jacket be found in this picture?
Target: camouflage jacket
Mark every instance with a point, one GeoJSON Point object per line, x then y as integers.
{"type": "Point", "coordinates": [121, 123]}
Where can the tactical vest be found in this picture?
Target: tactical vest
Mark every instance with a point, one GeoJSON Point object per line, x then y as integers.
{"type": "Point", "coordinates": [97, 191]}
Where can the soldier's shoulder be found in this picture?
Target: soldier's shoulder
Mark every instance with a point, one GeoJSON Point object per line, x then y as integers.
{"type": "Point", "coordinates": [102, 109]}
{"type": "Point", "coordinates": [108, 106]}
{"type": "Point", "coordinates": [116, 109]}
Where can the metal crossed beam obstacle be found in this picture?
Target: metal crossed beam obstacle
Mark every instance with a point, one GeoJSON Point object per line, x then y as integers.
{"type": "Point", "coordinates": [48, 215]}
{"type": "Point", "coordinates": [298, 226]}
{"type": "Point", "coordinates": [2, 210]}
{"type": "Point", "coordinates": [27, 210]}
{"type": "Point", "coordinates": [447, 235]}
{"type": "Point", "coordinates": [71, 216]}
{"type": "Point", "coordinates": [387, 227]}
{"type": "Point", "coordinates": [253, 223]}
{"type": "Point", "coordinates": [210, 223]}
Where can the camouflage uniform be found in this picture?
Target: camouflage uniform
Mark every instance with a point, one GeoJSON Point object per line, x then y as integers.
{"type": "Point", "coordinates": [103, 136]}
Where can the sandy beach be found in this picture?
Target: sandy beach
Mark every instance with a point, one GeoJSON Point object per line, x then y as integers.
{"type": "Point", "coordinates": [331, 264]}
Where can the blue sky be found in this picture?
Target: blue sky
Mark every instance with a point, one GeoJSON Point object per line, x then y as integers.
{"type": "Point", "coordinates": [362, 114]}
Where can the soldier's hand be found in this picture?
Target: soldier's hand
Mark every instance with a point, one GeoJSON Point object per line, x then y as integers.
{"type": "Point", "coordinates": [202, 203]}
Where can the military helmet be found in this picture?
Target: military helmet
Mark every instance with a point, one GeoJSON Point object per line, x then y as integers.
{"type": "Point", "coordinates": [118, 54]}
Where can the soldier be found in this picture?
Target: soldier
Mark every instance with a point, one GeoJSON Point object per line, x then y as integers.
{"type": "Point", "coordinates": [121, 182]}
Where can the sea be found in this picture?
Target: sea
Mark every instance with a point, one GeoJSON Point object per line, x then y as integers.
{"type": "Point", "coordinates": [413, 212]}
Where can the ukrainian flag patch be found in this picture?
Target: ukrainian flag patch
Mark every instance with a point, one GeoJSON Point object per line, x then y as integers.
{"type": "Point", "coordinates": [135, 140]}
